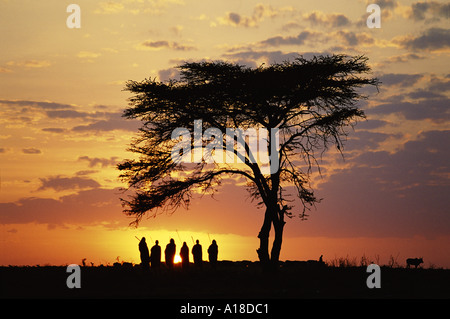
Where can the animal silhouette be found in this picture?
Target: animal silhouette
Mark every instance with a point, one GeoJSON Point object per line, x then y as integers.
{"type": "Point", "coordinates": [413, 261]}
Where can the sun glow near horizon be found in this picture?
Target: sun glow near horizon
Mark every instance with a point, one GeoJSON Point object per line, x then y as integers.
{"type": "Point", "coordinates": [177, 259]}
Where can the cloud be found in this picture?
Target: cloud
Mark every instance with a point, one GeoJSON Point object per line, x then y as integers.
{"type": "Point", "coordinates": [434, 109]}
{"type": "Point", "coordinates": [260, 12]}
{"type": "Point", "coordinates": [113, 121]}
{"type": "Point", "coordinates": [54, 130]}
{"type": "Point", "coordinates": [85, 207]}
{"type": "Point", "coordinates": [400, 79]}
{"type": "Point", "coordinates": [355, 39]}
{"type": "Point", "coordinates": [88, 55]}
{"type": "Point", "coordinates": [5, 70]}
{"type": "Point", "coordinates": [431, 39]}
{"type": "Point", "coordinates": [109, 8]}
{"type": "Point", "coordinates": [255, 58]}
{"type": "Point", "coordinates": [176, 30]}
{"type": "Point", "coordinates": [425, 94]}
{"type": "Point", "coordinates": [64, 114]}
{"type": "Point", "coordinates": [365, 140]}
{"type": "Point", "coordinates": [439, 84]}
{"type": "Point", "coordinates": [85, 172]}
{"type": "Point", "coordinates": [371, 124]}
{"type": "Point", "coordinates": [30, 63]}
{"type": "Point", "coordinates": [333, 20]}
{"type": "Point", "coordinates": [420, 11]}
{"type": "Point", "coordinates": [103, 162]}
{"type": "Point", "coordinates": [403, 58]}
{"type": "Point", "coordinates": [60, 183]}
{"type": "Point", "coordinates": [31, 150]}
{"type": "Point", "coordinates": [167, 74]}
{"type": "Point", "coordinates": [163, 44]}
{"type": "Point", "coordinates": [37, 104]}
{"type": "Point", "coordinates": [389, 4]}
{"type": "Point", "coordinates": [135, 6]}
{"type": "Point", "coordinates": [422, 98]}
{"type": "Point", "coordinates": [97, 121]}
{"type": "Point", "coordinates": [311, 38]}
{"type": "Point", "coordinates": [300, 39]}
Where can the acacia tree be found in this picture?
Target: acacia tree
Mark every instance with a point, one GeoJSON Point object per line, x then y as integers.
{"type": "Point", "coordinates": [310, 103]}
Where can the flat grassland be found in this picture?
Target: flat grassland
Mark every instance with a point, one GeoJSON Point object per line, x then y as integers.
{"type": "Point", "coordinates": [235, 280]}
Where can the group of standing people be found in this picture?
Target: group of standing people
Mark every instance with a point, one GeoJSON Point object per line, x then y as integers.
{"type": "Point", "coordinates": [154, 256]}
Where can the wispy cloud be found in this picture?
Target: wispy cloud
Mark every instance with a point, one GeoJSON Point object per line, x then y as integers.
{"type": "Point", "coordinates": [135, 6]}
{"type": "Point", "coordinates": [30, 63]}
{"type": "Point", "coordinates": [110, 122]}
{"type": "Point", "coordinates": [109, 7]}
{"type": "Point", "coordinates": [88, 55]}
{"type": "Point", "coordinates": [299, 39]}
{"type": "Point", "coordinates": [403, 58]}
{"type": "Point", "coordinates": [164, 44]}
{"type": "Point", "coordinates": [31, 150]}
{"type": "Point", "coordinates": [60, 183]}
{"type": "Point", "coordinates": [430, 40]}
{"type": "Point", "coordinates": [37, 104]}
{"type": "Point", "coordinates": [98, 161]}
{"type": "Point", "coordinates": [426, 106]}
{"type": "Point", "coordinates": [54, 130]}
{"type": "Point", "coordinates": [260, 12]}
{"type": "Point", "coordinates": [5, 70]}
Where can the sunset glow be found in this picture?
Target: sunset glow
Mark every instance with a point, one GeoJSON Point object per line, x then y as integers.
{"type": "Point", "coordinates": [62, 132]}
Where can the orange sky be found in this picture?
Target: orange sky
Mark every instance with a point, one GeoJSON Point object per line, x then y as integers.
{"type": "Point", "coordinates": [61, 133]}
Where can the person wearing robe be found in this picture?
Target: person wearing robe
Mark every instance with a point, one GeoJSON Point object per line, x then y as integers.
{"type": "Point", "coordinates": [213, 250]}
{"type": "Point", "coordinates": [145, 256]}
{"type": "Point", "coordinates": [170, 253]}
{"type": "Point", "coordinates": [155, 255]}
{"type": "Point", "coordinates": [184, 254]}
{"type": "Point", "coordinates": [197, 253]}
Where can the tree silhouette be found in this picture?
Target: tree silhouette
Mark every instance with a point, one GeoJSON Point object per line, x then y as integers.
{"type": "Point", "coordinates": [310, 102]}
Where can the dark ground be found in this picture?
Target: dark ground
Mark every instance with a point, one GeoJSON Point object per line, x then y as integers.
{"type": "Point", "coordinates": [231, 280]}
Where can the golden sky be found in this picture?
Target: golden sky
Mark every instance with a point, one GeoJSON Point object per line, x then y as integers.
{"type": "Point", "coordinates": [61, 131]}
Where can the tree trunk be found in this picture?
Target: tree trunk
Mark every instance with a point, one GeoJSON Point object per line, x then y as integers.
{"type": "Point", "coordinates": [263, 250]}
{"type": "Point", "coordinates": [273, 216]}
{"type": "Point", "coordinates": [278, 226]}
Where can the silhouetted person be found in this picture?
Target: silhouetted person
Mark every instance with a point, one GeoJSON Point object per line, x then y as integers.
{"type": "Point", "coordinates": [184, 254]}
{"type": "Point", "coordinates": [197, 253]}
{"type": "Point", "coordinates": [170, 253]}
{"type": "Point", "coordinates": [213, 250]}
{"type": "Point", "coordinates": [155, 255]}
{"type": "Point", "coordinates": [145, 257]}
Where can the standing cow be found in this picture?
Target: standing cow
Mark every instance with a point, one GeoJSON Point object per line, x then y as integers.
{"type": "Point", "coordinates": [413, 261]}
